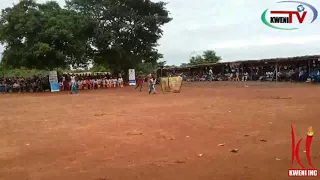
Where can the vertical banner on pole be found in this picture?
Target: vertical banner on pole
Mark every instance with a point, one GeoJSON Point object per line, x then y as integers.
{"type": "Point", "coordinates": [132, 77]}
{"type": "Point", "coordinates": [53, 79]}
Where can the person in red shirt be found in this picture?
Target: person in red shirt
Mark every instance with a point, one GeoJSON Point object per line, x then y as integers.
{"type": "Point", "coordinates": [139, 83]}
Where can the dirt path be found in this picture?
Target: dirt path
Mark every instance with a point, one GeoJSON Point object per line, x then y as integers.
{"type": "Point", "coordinates": [123, 134]}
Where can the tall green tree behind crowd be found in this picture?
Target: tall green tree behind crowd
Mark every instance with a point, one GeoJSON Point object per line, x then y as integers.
{"type": "Point", "coordinates": [44, 36]}
{"type": "Point", "coordinates": [127, 31]}
{"type": "Point", "coordinates": [118, 34]}
{"type": "Point", "coordinates": [208, 56]}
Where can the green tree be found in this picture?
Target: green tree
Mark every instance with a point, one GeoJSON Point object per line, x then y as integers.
{"type": "Point", "coordinates": [208, 56]}
{"type": "Point", "coordinates": [184, 64]}
{"type": "Point", "coordinates": [194, 60]}
{"type": "Point", "coordinates": [44, 36]}
{"type": "Point", "coordinates": [171, 66]}
{"type": "Point", "coordinates": [161, 64]}
{"type": "Point", "coordinates": [145, 68]}
{"type": "Point", "coordinates": [99, 68]}
{"type": "Point", "coordinates": [126, 31]}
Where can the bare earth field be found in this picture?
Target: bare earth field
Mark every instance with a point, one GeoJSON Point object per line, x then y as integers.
{"type": "Point", "coordinates": [122, 134]}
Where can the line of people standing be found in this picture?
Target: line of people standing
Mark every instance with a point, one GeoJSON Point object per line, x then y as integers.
{"type": "Point", "coordinates": [82, 82]}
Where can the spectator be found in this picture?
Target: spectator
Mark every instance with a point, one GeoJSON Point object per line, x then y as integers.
{"type": "Point", "coordinates": [16, 86]}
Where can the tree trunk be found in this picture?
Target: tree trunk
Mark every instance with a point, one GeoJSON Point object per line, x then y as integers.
{"type": "Point", "coordinates": [126, 76]}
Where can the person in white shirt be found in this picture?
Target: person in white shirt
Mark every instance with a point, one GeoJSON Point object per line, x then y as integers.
{"type": "Point", "coordinates": [120, 81]}
{"type": "Point", "coordinates": [237, 76]}
{"type": "Point", "coordinates": [98, 82]}
{"type": "Point", "coordinates": [154, 84]}
{"type": "Point", "coordinates": [74, 88]}
{"type": "Point", "coordinates": [245, 76]}
{"type": "Point", "coordinates": [210, 75]}
{"type": "Point", "coordinates": [16, 87]}
{"type": "Point", "coordinates": [111, 82]}
{"type": "Point", "coordinates": [61, 86]}
{"type": "Point", "coordinates": [115, 82]}
{"type": "Point", "coordinates": [151, 83]}
{"type": "Point", "coordinates": [69, 85]}
{"type": "Point", "coordinates": [92, 81]}
{"type": "Point", "coordinates": [108, 83]}
{"type": "Point", "coordinates": [79, 84]}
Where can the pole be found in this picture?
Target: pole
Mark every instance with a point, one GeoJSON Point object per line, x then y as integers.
{"type": "Point", "coordinates": [277, 71]}
{"type": "Point", "coordinates": [251, 69]}
{"type": "Point", "coordinates": [309, 66]}
{"type": "Point", "coordinates": [242, 77]}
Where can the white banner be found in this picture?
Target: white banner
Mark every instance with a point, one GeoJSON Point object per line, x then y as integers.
{"type": "Point", "coordinates": [53, 79]}
{"type": "Point", "coordinates": [53, 76]}
{"type": "Point", "coordinates": [132, 77]}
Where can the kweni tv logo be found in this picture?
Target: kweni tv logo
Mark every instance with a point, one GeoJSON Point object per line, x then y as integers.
{"type": "Point", "coordinates": [278, 18]}
{"type": "Point", "coordinates": [302, 172]}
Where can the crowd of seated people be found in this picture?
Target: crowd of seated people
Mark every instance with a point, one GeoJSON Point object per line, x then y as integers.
{"type": "Point", "coordinates": [41, 83]}
{"type": "Point", "coordinates": [22, 84]}
{"type": "Point", "coordinates": [288, 73]}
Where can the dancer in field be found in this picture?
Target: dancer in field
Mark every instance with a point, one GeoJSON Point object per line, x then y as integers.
{"type": "Point", "coordinates": [139, 83]}
{"type": "Point", "coordinates": [74, 88]}
{"type": "Point", "coordinates": [152, 84]}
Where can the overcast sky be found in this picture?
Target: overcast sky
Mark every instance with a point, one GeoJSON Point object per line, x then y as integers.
{"type": "Point", "coordinates": [232, 28]}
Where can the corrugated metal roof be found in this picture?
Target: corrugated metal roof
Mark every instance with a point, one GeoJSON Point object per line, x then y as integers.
{"type": "Point", "coordinates": [286, 59]}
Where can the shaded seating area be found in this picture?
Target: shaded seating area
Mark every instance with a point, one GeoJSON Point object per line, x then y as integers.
{"type": "Point", "coordinates": [290, 69]}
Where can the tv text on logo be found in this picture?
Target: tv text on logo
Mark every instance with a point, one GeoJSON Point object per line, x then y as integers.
{"type": "Point", "coordinates": [295, 149]}
{"type": "Point", "coordinates": [289, 16]}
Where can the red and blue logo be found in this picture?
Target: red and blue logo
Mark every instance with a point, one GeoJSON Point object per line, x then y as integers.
{"type": "Point", "coordinates": [288, 18]}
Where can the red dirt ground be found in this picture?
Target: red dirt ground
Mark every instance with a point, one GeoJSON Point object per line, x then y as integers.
{"type": "Point", "coordinates": [121, 134]}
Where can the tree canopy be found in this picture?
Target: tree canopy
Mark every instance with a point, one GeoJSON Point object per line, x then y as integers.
{"type": "Point", "coordinates": [118, 34]}
{"type": "Point", "coordinates": [208, 56]}
{"type": "Point", "coordinates": [44, 36]}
